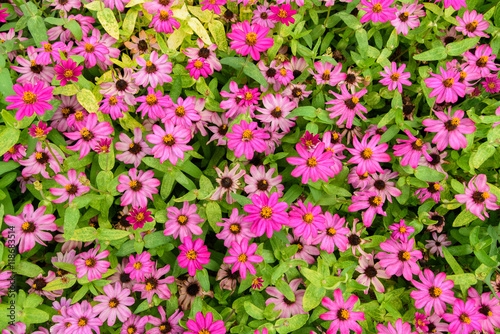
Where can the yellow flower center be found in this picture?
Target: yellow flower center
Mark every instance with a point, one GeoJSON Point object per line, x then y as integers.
{"type": "Point", "coordinates": [180, 111]}
{"type": "Point", "coordinates": [113, 101]}
{"type": "Point", "coordinates": [311, 162]}
{"type": "Point", "coordinates": [377, 200]}
{"type": "Point", "coordinates": [191, 255]}
{"type": "Point", "coordinates": [308, 218]}
{"type": "Point", "coordinates": [204, 331]}
{"type": "Point", "coordinates": [402, 229]}
{"type": "Point", "coordinates": [79, 115]}
{"type": "Point", "coordinates": [149, 286]}
{"type": "Point", "coordinates": [377, 8]}
{"type": "Point", "coordinates": [89, 48]}
{"type": "Point", "coordinates": [39, 132]}
{"type": "Point", "coordinates": [448, 82]}
{"type": "Point", "coordinates": [395, 77]}
{"type": "Point", "coordinates": [251, 39]}
{"type": "Point", "coordinates": [164, 15]}
{"type": "Point", "coordinates": [29, 98]}
{"type": "Point", "coordinates": [283, 72]}
{"type": "Point", "coordinates": [242, 258]}
{"type": "Point", "coordinates": [455, 121]}
{"type": "Point", "coordinates": [198, 64]}
{"type": "Point", "coordinates": [436, 186]}
{"type": "Point", "coordinates": [331, 231]}
{"type": "Point", "coordinates": [343, 314]}
{"type": "Point", "coordinates": [435, 292]}
{"type": "Point", "coordinates": [112, 304]}
{"type": "Point", "coordinates": [26, 226]}
{"type": "Point", "coordinates": [406, 256]}
{"type": "Point", "coordinates": [140, 216]}
{"type": "Point", "coordinates": [366, 153]}
{"type": "Point", "coordinates": [491, 85]}
{"type": "Point", "coordinates": [169, 140]}
{"type": "Point", "coordinates": [282, 14]}
{"type": "Point", "coordinates": [354, 100]}
{"type": "Point", "coordinates": [465, 318]}
{"type": "Point", "coordinates": [82, 322]}
{"type": "Point", "coordinates": [68, 74]}
{"type": "Point", "coordinates": [151, 99]}
{"type": "Point", "coordinates": [12, 150]}
{"type": "Point", "coordinates": [247, 134]}
{"type": "Point", "coordinates": [266, 212]}
{"type": "Point", "coordinates": [137, 265]}
{"type": "Point", "coordinates": [234, 228]}
{"type": "Point", "coordinates": [149, 63]}
{"type": "Point", "coordinates": [485, 195]}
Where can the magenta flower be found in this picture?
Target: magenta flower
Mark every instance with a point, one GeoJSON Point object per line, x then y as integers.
{"type": "Point", "coordinates": [378, 11]}
{"type": "Point", "coordinates": [154, 104]}
{"type": "Point", "coordinates": [164, 22]}
{"type": "Point", "coordinates": [394, 77]}
{"type": "Point", "coordinates": [491, 84]}
{"type": "Point", "coordinates": [382, 186]}
{"type": "Point", "coordinates": [477, 197]}
{"type": "Point", "coordinates": [471, 24]}
{"type": "Point", "coordinates": [346, 105]}
{"type": "Point", "coordinates": [482, 61]}
{"type": "Point", "coordinates": [92, 264]}
{"type": "Point", "coordinates": [433, 292]}
{"type": "Point", "coordinates": [450, 129]}
{"type": "Point", "coordinates": [246, 139]}
{"type": "Point", "coordinates": [286, 306]}
{"type": "Point", "coordinates": [306, 220]}
{"type": "Point", "coordinates": [239, 100]}
{"type": "Point", "coordinates": [88, 134]}
{"type": "Point", "coordinates": [137, 324]}
{"type": "Point", "coordinates": [276, 109]}
{"type": "Point", "coordinates": [81, 318]}
{"type": "Point", "coordinates": [266, 214]}
{"type": "Point", "coordinates": [114, 304]}
{"type": "Point", "coordinates": [3, 15]}
{"type": "Point", "coordinates": [250, 39]}
{"type": "Point", "coordinates": [193, 255]}
{"type": "Point", "coordinates": [370, 273]}
{"type": "Point", "coordinates": [407, 17]}
{"type": "Point", "coordinates": [312, 165]}
{"type": "Point", "coordinates": [171, 324]}
{"type": "Point", "coordinates": [68, 71]}
{"type": "Point", "coordinates": [170, 144]}
{"type": "Point", "coordinates": [72, 186]}
{"type": "Point", "coordinates": [154, 72]}
{"type": "Point", "coordinates": [138, 217]}
{"type": "Point", "coordinates": [155, 284]}
{"type": "Point", "coordinates": [327, 73]}
{"type": "Point", "coordinates": [340, 311]}
{"type": "Point", "coordinates": [411, 150]}
{"type": "Point", "coordinates": [333, 234]}
{"type": "Point", "coordinates": [205, 324]}
{"type": "Point", "coordinates": [183, 223]}
{"type": "Point", "coordinates": [199, 67]}
{"type": "Point", "coordinates": [234, 229]}
{"type": "Point", "coordinates": [283, 14]}
{"type": "Point", "coordinates": [29, 227]}
{"type": "Point", "coordinates": [39, 131]}
{"type": "Point", "coordinates": [133, 149]}
{"type": "Point", "coordinates": [447, 86]}
{"type": "Point", "coordinates": [368, 155]}
{"type": "Point", "coordinates": [30, 99]}
{"type": "Point", "coordinates": [38, 161]}
{"type": "Point", "coordinates": [489, 307]}
{"type": "Point", "coordinates": [16, 152]}
{"type": "Point", "coordinates": [138, 187]}
{"type": "Point", "coordinates": [465, 317]}
{"type": "Point", "coordinates": [139, 266]}
{"type": "Point", "coordinates": [243, 256]}
{"type": "Point", "coordinates": [213, 5]}
{"type": "Point", "coordinates": [367, 200]}
{"type": "Point", "coordinates": [400, 258]}
{"type": "Point", "coordinates": [183, 112]}
{"type": "Point", "coordinates": [399, 327]}
{"type": "Point", "coordinates": [456, 4]}
{"type": "Point", "coordinates": [432, 191]}
{"type": "Point", "coordinates": [401, 231]}
{"type": "Point", "coordinates": [260, 181]}
{"type": "Point", "coordinates": [114, 106]}
{"type": "Point", "coordinates": [92, 50]}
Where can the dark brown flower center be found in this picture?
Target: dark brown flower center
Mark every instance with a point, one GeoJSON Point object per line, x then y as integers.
{"type": "Point", "coordinates": [135, 185]}
{"type": "Point", "coordinates": [436, 159]}
{"type": "Point", "coordinates": [482, 61]}
{"type": "Point", "coordinates": [417, 144]}
{"type": "Point", "coordinates": [222, 130]}
{"type": "Point", "coordinates": [151, 284]}
{"type": "Point", "coordinates": [113, 303]}
{"type": "Point", "coordinates": [41, 157]}
{"type": "Point", "coordinates": [374, 200]}
{"type": "Point", "coordinates": [404, 16]}
{"type": "Point", "coordinates": [404, 256]}
{"type": "Point", "coordinates": [449, 39]}
{"type": "Point", "coordinates": [226, 182]}
{"type": "Point", "coordinates": [433, 187]}
{"type": "Point", "coordinates": [350, 78]}
{"type": "Point", "coordinates": [296, 74]}
{"type": "Point", "coordinates": [352, 102]}
{"type": "Point", "coordinates": [296, 92]}
{"type": "Point", "coordinates": [271, 72]}
{"type": "Point", "coordinates": [228, 15]}
{"type": "Point", "coordinates": [135, 148]}
{"type": "Point", "coordinates": [452, 124]}
{"type": "Point", "coordinates": [479, 197]}
{"type": "Point", "coordinates": [90, 262]}
{"type": "Point", "coordinates": [142, 46]}
{"type": "Point", "coordinates": [63, 2]}
{"type": "Point", "coordinates": [408, 109]}
{"type": "Point", "coordinates": [262, 185]}
{"type": "Point", "coordinates": [287, 301]}
{"type": "Point", "coordinates": [439, 219]}
{"type": "Point", "coordinates": [165, 327]}
{"type": "Point", "coordinates": [276, 112]}
{"type": "Point", "coordinates": [28, 227]}
{"type": "Point", "coordinates": [370, 272]}
{"type": "Point", "coordinates": [204, 52]}
{"type": "Point", "coordinates": [36, 68]}
{"type": "Point", "coordinates": [471, 27]}
{"type": "Point", "coordinates": [39, 284]}
{"type": "Point", "coordinates": [379, 185]}
{"type": "Point", "coordinates": [485, 309]}
{"type": "Point", "coordinates": [125, 278]}
{"type": "Point", "coordinates": [121, 85]}
{"type": "Point", "coordinates": [150, 67]}
{"type": "Point", "coordinates": [71, 189]}
{"type": "Point", "coordinates": [193, 289]}
{"type": "Point", "coordinates": [343, 314]}
{"type": "Point", "coordinates": [354, 240]}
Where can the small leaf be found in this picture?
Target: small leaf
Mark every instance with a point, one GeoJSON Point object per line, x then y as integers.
{"type": "Point", "coordinates": [253, 72]}
{"type": "Point", "coordinates": [307, 111]}
{"type": "Point", "coordinates": [253, 310]}
{"type": "Point", "coordinates": [234, 62]}
{"type": "Point", "coordinates": [87, 100]}
{"type": "Point", "coordinates": [312, 297]}
{"type": "Point", "coordinates": [75, 28]}
{"type": "Point", "coordinates": [28, 269]}
{"type": "Point", "coordinates": [38, 30]}
{"type": "Point", "coordinates": [8, 138]}
{"type": "Point", "coordinates": [217, 30]}
{"type": "Point", "coordinates": [460, 47]}
{"type": "Point", "coordinates": [285, 289]}
{"type": "Point", "coordinates": [198, 28]}
{"type": "Point", "coordinates": [202, 276]}
{"type": "Point", "coordinates": [294, 323]}
{"type": "Point", "coordinates": [214, 215]}
{"type": "Point", "coordinates": [484, 152]}
{"type": "Point", "coordinates": [108, 21]}
{"type": "Point", "coordinates": [464, 218]}
{"type": "Point", "coordinates": [71, 217]}
{"type": "Point", "coordinates": [433, 54]}
{"type": "Point", "coordinates": [428, 174]}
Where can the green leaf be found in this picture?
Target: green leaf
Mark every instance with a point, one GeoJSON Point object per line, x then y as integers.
{"type": "Point", "coordinates": [253, 72]}
{"type": "Point", "coordinates": [242, 200]}
{"type": "Point", "coordinates": [428, 174]}
{"type": "Point", "coordinates": [307, 111]}
{"type": "Point", "coordinates": [464, 218]}
{"type": "Point", "coordinates": [108, 21]}
{"type": "Point", "coordinates": [362, 39]}
{"type": "Point", "coordinates": [235, 62]}
{"type": "Point", "coordinates": [200, 30]}
{"type": "Point", "coordinates": [75, 29]}
{"type": "Point", "coordinates": [312, 297]}
{"type": "Point", "coordinates": [460, 47]}
{"type": "Point", "coordinates": [484, 152]}
{"type": "Point", "coordinates": [214, 215]}
{"type": "Point", "coordinates": [94, 5]}
{"type": "Point", "coordinates": [71, 217]}
{"type": "Point", "coordinates": [38, 30]}
{"type": "Point", "coordinates": [106, 234]}
{"type": "Point", "coordinates": [433, 54]}
{"type": "Point", "coordinates": [129, 22]}
{"type": "Point", "coordinates": [65, 282]}
{"type": "Point", "coordinates": [71, 268]}
{"type": "Point", "coordinates": [285, 289]}
{"type": "Point", "coordinates": [350, 20]}
{"type": "Point", "coordinates": [202, 276]}
{"type": "Point", "coordinates": [253, 310]}
{"type": "Point", "coordinates": [87, 99]}
{"type": "Point", "coordinates": [28, 269]}
{"type": "Point", "coordinates": [32, 315]}
{"type": "Point", "coordinates": [467, 279]}
{"type": "Point", "coordinates": [33, 300]}
{"type": "Point", "coordinates": [8, 138]}
{"type": "Point", "coordinates": [294, 323]}
{"type": "Point", "coordinates": [155, 239]}
{"type": "Point", "coordinates": [313, 276]}
{"type": "Point", "coordinates": [217, 30]}
{"type": "Point", "coordinates": [457, 269]}
{"type": "Point", "coordinates": [485, 259]}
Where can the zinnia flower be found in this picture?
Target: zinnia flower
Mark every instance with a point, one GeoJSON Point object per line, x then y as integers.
{"type": "Point", "coordinates": [346, 105]}
{"type": "Point", "coordinates": [465, 317]}
{"type": "Point", "coordinates": [30, 99]}
{"type": "Point", "coordinates": [266, 214]}
{"type": "Point", "coordinates": [243, 256]}
{"type": "Point", "coordinates": [171, 325]}
{"type": "Point", "coordinates": [247, 139]}
{"type": "Point", "coordinates": [340, 311]}
{"type": "Point", "coordinates": [82, 318]}
{"type": "Point", "coordinates": [72, 186]}
{"type": "Point", "coordinates": [88, 134]}
{"type": "Point", "coordinates": [489, 307]}
{"type": "Point", "coordinates": [312, 165]}
{"type": "Point", "coordinates": [399, 327]}
{"type": "Point", "coordinates": [229, 182]}
{"type": "Point", "coordinates": [368, 155]}
{"type": "Point", "coordinates": [154, 71]}
{"type": "Point", "coordinates": [333, 234]}
{"type": "Point", "coordinates": [114, 304]}
{"type": "Point", "coordinates": [205, 324]}
{"type": "Point", "coordinates": [68, 71]}
{"type": "Point", "coordinates": [446, 86]}
{"type": "Point", "coordinates": [394, 77]}
{"type": "Point", "coordinates": [234, 229]}
{"type": "Point", "coordinates": [370, 201]}
{"type": "Point", "coordinates": [471, 24]}
{"type": "Point", "coordinates": [170, 143]}
{"type": "Point", "coordinates": [183, 223]}
{"type": "Point", "coordinates": [250, 39]}
{"type": "Point", "coordinates": [306, 220]}
{"type": "Point", "coordinates": [411, 150]}
{"type": "Point", "coordinates": [477, 197]}
{"type": "Point", "coordinates": [370, 273]}
{"type": "Point", "coordinates": [139, 265]}
{"type": "Point", "coordinates": [400, 259]}
{"type": "Point", "coordinates": [91, 264]}
{"type": "Point", "coordinates": [378, 11]}
{"type": "Point", "coordinates": [138, 187]}
{"type": "Point", "coordinates": [287, 307]}
{"type": "Point", "coordinates": [154, 284]}
{"type": "Point", "coordinates": [283, 14]}
{"type": "Point", "coordinates": [193, 255]}
{"type": "Point", "coordinates": [433, 292]}
{"type": "Point", "coordinates": [133, 149]}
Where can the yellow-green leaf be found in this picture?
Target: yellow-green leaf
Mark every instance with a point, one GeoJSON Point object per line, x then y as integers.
{"type": "Point", "coordinates": [8, 137]}
{"type": "Point", "coordinates": [175, 39]}
{"type": "Point", "coordinates": [87, 100]}
{"type": "Point", "coordinates": [217, 30]}
{"type": "Point", "coordinates": [108, 21]}
{"type": "Point", "coordinates": [198, 28]}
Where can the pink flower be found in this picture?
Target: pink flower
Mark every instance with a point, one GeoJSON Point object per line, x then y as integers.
{"type": "Point", "coordinates": [407, 17]}
{"type": "Point", "coordinates": [38, 161]}
{"type": "Point", "coordinates": [139, 266]}
{"type": "Point", "coordinates": [489, 307]}
{"type": "Point", "coordinates": [327, 74]}
{"type": "Point", "coordinates": [481, 61]}
{"type": "Point", "coordinates": [305, 251]}
{"type": "Point", "coordinates": [138, 217]}
{"type": "Point", "coordinates": [154, 104]}
{"type": "Point", "coordinates": [401, 231]}
{"type": "Point", "coordinates": [246, 139]}
{"type": "Point", "coordinates": [400, 258]}
{"type": "Point", "coordinates": [370, 273]}
{"type": "Point", "coordinates": [30, 99]}
{"type": "Point", "coordinates": [399, 327]}
{"type": "Point", "coordinates": [262, 17]}
{"type": "Point", "coordinates": [155, 284]}
{"type": "Point", "coordinates": [92, 264]}
{"type": "Point", "coordinates": [275, 112]}
{"type": "Point", "coordinates": [333, 234]}
{"type": "Point", "coordinates": [266, 214]}
{"type": "Point", "coordinates": [378, 11]}
{"type": "Point", "coordinates": [286, 306]}
{"type": "Point", "coordinates": [229, 182]}
{"type": "Point", "coordinates": [446, 86]}
{"type": "Point", "coordinates": [72, 187]}
{"type": "Point", "coordinates": [370, 201]}
{"type": "Point", "coordinates": [283, 14]}
{"type": "Point", "coordinates": [205, 324]}
{"type": "Point", "coordinates": [234, 229]}
{"type": "Point", "coordinates": [213, 5]}
{"type": "Point", "coordinates": [347, 106]}
{"type": "Point", "coordinates": [133, 149]}
{"type": "Point", "coordinates": [82, 318]}
{"type": "Point", "coordinates": [138, 187]}
{"type": "Point", "coordinates": [313, 165]}
{"type": "Point", "coordinates": [433, 292]}
{"type": "Point", "coordinates": [456, 4]}
{"type": "Point", "coordinates": [164, 22]}
{"type": "Point", "coordinates": [3, 15]}
{"type": "Point", "coordinates": [113, 106]}
{"type": "Point", "coordinates": [154, 71]}
{"type": "Point", "coordinates": [472, 24]}
{"type": "Point", "coordinates": [491, 84]}
{"type": "Point", "coordinates": [243, 255]}
{"type": "Point", "coordinates": [394, 77]}
{"type": "Point", "coordinates": [250, 39]}
{"type": "Point", "coordinates": [435, 246]}
{"type": "Point", "coordinates": [477, 197]}
{"type": "Point", "coordinates": [205, 52]}
{"type": "Point", "coordinates": [340, 311]}
{"type": "Point", "coordinates": [113, 304]}
{"type": "Point", "coordinates": [259, 181]}
{"type": "Point", "coordinates": [183, 112]}
{"type": "Point", "coordinates": [92, 50]}
{"type": "Point", "coordinates": [450, 129]}
{"type": "Point", "coordinates": [193, 255]}
{"type": "Point", "coordinates": [382, 186]}
{"type": "Point", "coordinates": [306, 220]}
{"type": "Point", "coordinates": [465, 317]}
{"type": "Point", "coordinates": [15, 153]}
{"type": "Point", "coordinates": [88, 134]}
{"type": "Point", "coordinates": [39, 131]}
{"type": "Point", "coordinates": [170, 144]}
{"type": "Point", "coordinates": [29, 228]}
{"type": "Point", "coordinates": [411, 150]}
{"type": "Point", "coordinates": [433, 190]}
{"type": "Point", "coordinates": [197, 67]}
{"type": "Point", "coordinates": [68, 71]}
{"type": "Point", "coordinates": [368, 155]}
{"type": "Point", "coordinates": [240, 100]}
{"type": "Point", "coordinates": [162, 324]}
{"type": "Point", "coordinates": [183, 223]}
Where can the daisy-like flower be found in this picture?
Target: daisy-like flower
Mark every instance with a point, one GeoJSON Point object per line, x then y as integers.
{"type": "Point", "coordinates": [471, 24]}
{"type": "Point", "coordinates": [164, 325]}
{"type": "Point", "coordinates": [333, 234]}
{"type": "Point", "coordinates": [240, 100]}
{"type": "Point", "coordinates": [283, 14]}
{"type": "Point", "coordinates": [261, 16]}
{"type": "Point", "coordinates": [313, 165]}
{"type": "Point", "coordinates": [4, 282]}
{"type": "Point", "coordinates": [66, 5]}
{"type": "Point", "coordinates": [213, 5]}
{"type": "Point", "coordinates": [169, 144]}
{"type": "Point", "coordinates": [164, 22]}
{"type": "Point", "coordinates": [400, 259]}
{"type": "Point", "coordinates": [183, 223]}
{"type": "Point", "coordinates": [394, 77]}
{"type": "Point", "coordinates": [437, 160]}
{"type": "Point", "coordinates": [250, 39]}
{"type": "Point", "coordinates": [33, 71]}
{"type": "Point", "coordinates": [156, 5]}
{"type": "Point", "coordinates": [342, 314]}
{"type": "Point", "coordinates": [491, 84]}
{"type": "Point", "coordinates": [327, 73]}
{"type": "Point", "coordinates": [477, 197]}
{"type": "Point", "coordinates": [138, 217]}
{"type": "Point", "coordinates": [38, 161]}
{"type": "Point", "coordinates": [16, 152]}
{"type": "Point", "coordinates": [287, 307]}
{"type": "Point", "coordinates": [399, 327]}
{"type": "Point", "coordinates": [183, 112]}
{"type": "Point", "coordinates": [121, 276]}
{"type": "Point", "coordinates": [378, 11]}
{"type": "Point", "coordinates": [39, 131]}
{"type": "Point", "coordinates": [114, 304]}
{"type": "Point", "coordinates": [489, 307]}
{"type": "Point", "coordinates": [123, 86]}
{"type": "Point", "coordinates": [309, 140]}
{"type": "Point", "coordinates": [30, 99]}
{"type": "Point", "coordinates": [257, 283]}
{"type": "Point", "coordinates": [465, 317]}
{"type": "Point", "coordinates": [228, 280]}
{"type": "Point", "coordinates": [154, 104]}
{"type": "Point", "coordinates": [68, 71]}
{"type": "Point", "coordinates": [154, 284]}
{"type": "Point", "coordinates": [306, 220]}
{"type": "Point", "coordinates": [138, 187]}
{"type": "Point", "coordinates": [482, 61]}
{"type": "Point", "coordinates": [136, 324]}
{"type": "Point", "coordinates": [247, 139]}
{"type": "Point", "coordinates": [433, 190]}
{"type": "Point", "coordinates": [92, 264]}
{"type": "Point", "coordinates": [407, 17]}
{"type": "Point", "coordinates": [368, 155]}
{"type": "Point", "coordinates": [346, 105]}
{"type": "Point", "coordinates": [439, 222]}
{"type": "Point", "coordinates": [259, 181]}
{"type": "Point", "coordinates": [296, 92]}
{"type": "Point", "coordinates": [411, 150]}
{"type": "Point", "coordinates": [276, 109]}
{"type": "Point", "coordinates": [69, 105]}
{"type": "Point", "coordinates": [199, 67]}
{"type": "Point", "coordinates": [205, 324]}
{"type": "Point", "coordinates": [139, 266]}
{"type": "Point", "coordinates": [88, 134]}
{"type": "Point", "coordinates": [456, 4]}
{"type": "Point", "coordinates": [72, 187]}
{"type": "Point", "coordinates": [401, 231]}
{"type": "Point", "coordinates": [205, 52]}
{"type": "Point", "coordinates": [266, 214]}
{"type": "Point", "coordinates": [193, 255]}
{"type": "Point", "coordinates": [370, 201]}
{"type": "Point", "coordinates": [382, 186]}
{"type": "Point", "coordinates": [229, 182]}
{"type": "Point", "coordinates": [154, 72]}
{"type": "Point", "coordinates": [133, 149]}
{"type": "Point", "coordinates": [234, 229]}
{"type": "Point", "coordinates": [433, 292]}
{"type": "Point", "coordinates": [370, 273]}
{"type": "Point", "coordinates": [82, 318]}
{"type": "Point", "coordinates": [305, 251]}
{"type": "Point", "coordinates": [446, 86]}
{"type": "Point", "coordinates": [30, 227]}
{"type": "Point", "coordinates": [189, 289]}
{"type": "Point", "coordinates": [242, 256]}
{"type": "Point", "coordinates": [436, 245]}
{"type": "Point", "coordinates": [142, 44]}
{"type": "Point", "coordinates": [39, 282]}
{"type": "Point", "coordinates": [92, 50]}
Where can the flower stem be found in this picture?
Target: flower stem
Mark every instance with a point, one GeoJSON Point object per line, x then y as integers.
{"type": "Point", "coordinates": [53, 155]}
